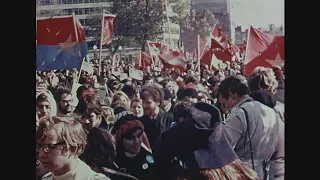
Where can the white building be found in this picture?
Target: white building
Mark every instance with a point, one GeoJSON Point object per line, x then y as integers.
{"type": "Point", "coordinates": [82, 8]}
{"type": "Point", "coordinates": [175, 34]}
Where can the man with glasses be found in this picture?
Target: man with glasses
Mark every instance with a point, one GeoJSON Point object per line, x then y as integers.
{"type": "Point", "coordinates": [64, 101]}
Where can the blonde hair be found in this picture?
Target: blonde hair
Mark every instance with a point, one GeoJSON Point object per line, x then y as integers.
{"type": "Point", "coordinates": [236, 170]}
{"type": "Point", "coordinates": [68, 129]}
{"type": "Point", "coordinates": [108, 114]}
{"type": "Point", "coordinates": [117, 95]}
{"type": "Point", "coordinates": [264, 78]}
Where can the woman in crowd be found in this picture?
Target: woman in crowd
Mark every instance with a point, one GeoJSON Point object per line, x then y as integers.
{"type": "Point", "coordinates": [100, 154]}
{"type": "Point", "coordinates": [136, 107]}
{"type": "Point", "coordinates": [133, 150]}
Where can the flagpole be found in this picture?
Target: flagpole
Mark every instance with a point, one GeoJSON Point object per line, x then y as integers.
{"type": "Point", "coordinates": [198, 42]}
{"type": "Point", "coordinates": [168, 19]}
{"type": "Point", "coordinates": [245, 57]}
{"type": "Point", "coordinates": [100, 50]}
{"type": "Point", "coordinates": [77, 40]}
{"type": "Point", "coordinates": [80, 71]}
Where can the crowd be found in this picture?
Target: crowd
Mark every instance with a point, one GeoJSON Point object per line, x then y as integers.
{"type": "Point", "coordinates": [211, 125]}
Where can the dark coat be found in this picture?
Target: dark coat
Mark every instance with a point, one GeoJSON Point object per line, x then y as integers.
{"type": "Point", "coordinates": [153, 128]}
{"type": "Point", "coordinates": [141, 166]}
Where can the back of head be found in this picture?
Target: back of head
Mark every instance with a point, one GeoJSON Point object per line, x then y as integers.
{"type": "Point", "coordinates": [233, 84]}
{"type": "Point", "coordinates": [262, 78]}
{"type": "Point", "coordinates": [100, 150]}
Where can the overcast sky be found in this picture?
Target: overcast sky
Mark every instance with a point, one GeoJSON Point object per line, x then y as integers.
{"type": "Point", "coordinates": [258, 13]}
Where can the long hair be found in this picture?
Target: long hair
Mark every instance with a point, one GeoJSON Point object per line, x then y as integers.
{"type": "Point", "coordinates": [236, 170]}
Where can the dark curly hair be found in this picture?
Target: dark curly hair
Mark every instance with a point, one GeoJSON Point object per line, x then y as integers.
{"type": "Point", "coordinates": [100, 150]}
{"type": "Point", "coordinates": [153, 91]}
{"type": "Point", "coordinates": [233, 84]}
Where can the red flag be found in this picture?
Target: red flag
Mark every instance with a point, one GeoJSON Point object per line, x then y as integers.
{"type": "Point", "coordinates": [174, 59]}
{"type": "Point", "coordinates": [107, 29]}
{"type": "Point", "coordinates": [244, 47]}
{"type": "Point", "coordinates": [145, 59]}
{"type": "Point", "coordinates": [217, 34]}
{"type": "Point", "coordinates": [263, 50]}
{"type": "Point", "coordinates": [206, 56]}
{"type": "Point", "coordinates": [164, 48]}
{"type": "Point", "coordinates": [55, 31]}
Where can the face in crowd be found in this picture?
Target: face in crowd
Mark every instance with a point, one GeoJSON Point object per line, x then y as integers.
{"type": "Point", "coordinates": [65, 104]}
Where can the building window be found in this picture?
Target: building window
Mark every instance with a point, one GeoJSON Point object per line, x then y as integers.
{"type": "Point", "coordinates": [76, 11]}
{"type": "Point", "coordinates": [86, 1]}
{"type": "Point", "coordinates": [97, 1]}
{"type": "Point", "coordinates": [91, 1]}
{"type": "Point", "coordinates": [82, 11]}
{"type": "Point", "coordinates": [87, 11]}
{"type": "Point", "coordinates": [69, 1]}
{"type": "Point", "coordinates": [47, 2]}
{"type": "Point", "coordinates": [64, 1]}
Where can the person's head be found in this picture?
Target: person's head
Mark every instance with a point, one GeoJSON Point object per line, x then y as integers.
{"type": "Point", "coordinates": [190, 79]}
{"type": "Point", "coordinates": [100, 150]}
{"type": "Point", "coordinates": [136, 107]}
{"type": "Point", "coordinates": [128, 132]}
{"type": "Point", "coordinates": [120, 96]}
{"type": "Point", "coordinates": [173, 87]}
{"type": "Point", "coordinates": [85, 101]}
{"type": "Point", "coordinates": [129, 91]}
{"type": "Point", "coordinates": [64, 100]}
{"type": "Point", "coordinates": [92, 117]}
{"type": "Point", "coordinates": [181, 110]}
{"type": "Point", "coordinates": [190, 95]}
{"type": "Point", "coordinates": [43, 105]}
{"type": "Point", "coordinates": [231, 91]}
{"type": "Point", "coordinates": [108, 114]}
{"type": "Point", "coordinates": [263, 79]}
{"type": "Point", "coordinates": [60, 140]}
{"type": "Point", "coordinates": [167, 98]}
{"type": "Point", "coordinates": [151, 96]}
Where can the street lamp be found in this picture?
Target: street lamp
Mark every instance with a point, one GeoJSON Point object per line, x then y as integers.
{"type": "Point", "coordinates": [95, 47]}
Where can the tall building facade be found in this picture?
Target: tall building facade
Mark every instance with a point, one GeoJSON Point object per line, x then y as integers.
{"type": "Point", "coordinates": [220, 8]}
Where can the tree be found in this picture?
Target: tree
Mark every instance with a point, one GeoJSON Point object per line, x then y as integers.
{"type": "Point", "coordinates": [140, 20]}
{"type": "Point", "coordinates": [180, 7]}
{"type": "Point", "coordinates": [93, 30]}
{"type": "Point", "coordinates": [200, 23]}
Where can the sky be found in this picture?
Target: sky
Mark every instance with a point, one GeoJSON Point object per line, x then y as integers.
{"type": "Point", "coordinates": [258, 13]}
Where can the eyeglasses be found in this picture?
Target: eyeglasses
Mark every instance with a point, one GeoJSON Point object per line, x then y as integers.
{"type": "Point", "coordinates": [48, 147]}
